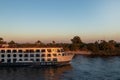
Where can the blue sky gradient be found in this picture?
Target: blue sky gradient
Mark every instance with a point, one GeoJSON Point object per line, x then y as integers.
{"type": "Point", "coordinates": [59, 20]}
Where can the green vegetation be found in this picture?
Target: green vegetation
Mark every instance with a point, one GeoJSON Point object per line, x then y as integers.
{"type": "Point", "coordinates": [98, 48]}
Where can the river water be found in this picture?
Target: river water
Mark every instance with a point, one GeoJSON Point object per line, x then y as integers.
{"type": "Point", "coordinates": [81, 68]}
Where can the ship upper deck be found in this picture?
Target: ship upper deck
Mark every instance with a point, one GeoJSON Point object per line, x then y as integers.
{"type": "Point", "coordinates": [29, 50]}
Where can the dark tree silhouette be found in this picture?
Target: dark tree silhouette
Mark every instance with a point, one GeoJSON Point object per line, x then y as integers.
{"type": "Point", "coordinates": [76, 40]}
{"type": "Point", "coordinates": [1, 39]}
{"type": "Point", "coordinates": [12, 43]}
{"type": "Point", "coordinates": [77, 43]}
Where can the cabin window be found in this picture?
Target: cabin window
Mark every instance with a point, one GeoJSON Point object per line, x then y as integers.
{"type": "Point", "coordinates": [58, 50]}
{"type": "Point", "coordinates": [14, 55]}
{"type": "Point", "coordinates": [54, 54]}
{"type": "Point", "coordinates": [20, 55]}
{"type": "Point", "coordinates": [8, 60]}
{"type": "Point", "coordinates": [48, 59]}
{"type": "Point", "coordinates": [14, 51]}
{"type": "Point", "coordinates": [14, 60]}
{"type": "Point", "coordinates": [37, 50]}
{"type": "Point", "coordinates": [8, 55]}
{"type": "Point", "coordinates": [2, 60]}
{"type": "Point", "coordinates": [55, 59]}
{"type": "Point", "coordinates": [53, 50]}
{"type": "Point", "coordinates": [43, 50]}
{"type": "Point", "coordinates": [8, 51]}
{"type": "Point", "coordinates": [2, 51]}
{"type": "Point", "coordinates": [37, 59]}
{"type": "Point", "coordinates": [42, 55]}
{"type": "Point", "coordinates": [20, 59]}
{"type": "Point", "coordinates": [31, 55]}
{"type": "Point", "coordinates": [31, 59]}
{"type": "Point", "coordinates": [31, 51]}
{"type": "Point", "coordinates": [62, 50]}
{"type": "Point", "coordinates": [48, 55]}
{"type": "Point", "coordinates": [37, 55]}
{"type": "Point", "coordinates": [27, 51]}
{"type": "Point", "coordinates": [2, 55]}
{"type": "Point", "coordinates": [59, 54]}
{"type": "Point", "coordinates": [26, 55]}
{"type": "Point", "coordinates": [49, 50]}
{"type": "Point", "coordinates": [63, 54]}
{"type": "Point", "coordinates": [25, 59]}
{"type": "Point", "coordinates": [20, 51]}
{"type": "Point", "coordinates": [42, 59]}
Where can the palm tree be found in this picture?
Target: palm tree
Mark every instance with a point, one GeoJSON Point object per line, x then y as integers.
{"type": "Point", "coordinates": [53, 42]}
{"type": "Point", "coordinates": [1, 39]}
{"type": "Point", "coordinates": [76, 43]}
{"type": "Point", "coordinates": [76, 40]}
{"type": "Point", "coordinates": [39, 43]}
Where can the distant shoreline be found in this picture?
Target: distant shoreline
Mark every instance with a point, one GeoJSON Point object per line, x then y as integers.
{"type": "Point", "coordinates": [96, 54]}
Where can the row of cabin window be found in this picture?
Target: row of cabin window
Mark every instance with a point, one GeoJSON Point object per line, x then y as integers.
{"type": "Point", "coordinates": [27, 51]}
{"type": "Point", "coordinates": [14, 60]}
{"type": "Point", "coordinates": [31, 55]}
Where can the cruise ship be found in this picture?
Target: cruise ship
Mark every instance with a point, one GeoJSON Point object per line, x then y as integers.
{"type": "Point", "coordinates": [34, 57]}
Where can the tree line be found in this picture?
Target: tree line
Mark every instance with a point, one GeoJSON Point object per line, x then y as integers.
{"type": "Point", "coordinates": [100, 47]}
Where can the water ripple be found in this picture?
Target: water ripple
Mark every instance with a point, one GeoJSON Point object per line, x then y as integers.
{"type": "Point", "coordinates": [81, 68]}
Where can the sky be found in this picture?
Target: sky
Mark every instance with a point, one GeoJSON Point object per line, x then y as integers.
{"type": "Point", "coordinates": [59, 20]}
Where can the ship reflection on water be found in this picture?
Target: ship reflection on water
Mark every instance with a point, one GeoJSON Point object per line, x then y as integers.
{"type": "Point", "coordinates": [25, 73]}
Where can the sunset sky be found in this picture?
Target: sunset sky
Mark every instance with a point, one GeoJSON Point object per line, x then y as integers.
{"type": "Point", "coordinates": [59, 20]}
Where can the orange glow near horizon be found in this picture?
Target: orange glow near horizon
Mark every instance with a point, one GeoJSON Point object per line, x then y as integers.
{"type": "Point", "coordinates": [60, 39]}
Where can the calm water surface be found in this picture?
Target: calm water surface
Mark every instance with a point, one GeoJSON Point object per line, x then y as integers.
{"type": "Point", "coordinates": [81, 68]}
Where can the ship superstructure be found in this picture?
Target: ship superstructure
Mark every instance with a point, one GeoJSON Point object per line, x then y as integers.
{"type": "Point", "coordinates": [34, 56]}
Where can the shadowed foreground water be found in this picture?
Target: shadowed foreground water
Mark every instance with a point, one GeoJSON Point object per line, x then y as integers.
{"type": "Point", "coordinates": [81, 68]}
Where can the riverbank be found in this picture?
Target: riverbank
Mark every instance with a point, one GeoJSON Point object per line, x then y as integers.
{"type": "Point", "coordinates": [80, 52]}
{"type": "Point", "coordinates": [106, 53]}
{"type": "Point", "coordinates": [98, 53]}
